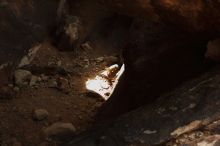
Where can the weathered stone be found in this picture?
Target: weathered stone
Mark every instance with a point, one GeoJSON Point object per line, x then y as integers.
{"type": "Point", "coordinates": [40, 114]}
{"type": "Point", "coordinates": [22, 77]}
{"type": "Point", "coordinates": [60, 131]}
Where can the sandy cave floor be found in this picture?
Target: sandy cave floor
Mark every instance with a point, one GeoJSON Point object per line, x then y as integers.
{"type": "Point", "coordinates": [70, 103]}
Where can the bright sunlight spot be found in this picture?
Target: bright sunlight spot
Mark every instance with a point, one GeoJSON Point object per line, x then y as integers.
{"type": "Point", "coordinates": [105, 83]}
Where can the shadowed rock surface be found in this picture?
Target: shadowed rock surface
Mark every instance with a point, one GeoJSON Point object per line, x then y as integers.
{"type": "Point", "coordinates": [196, 102]}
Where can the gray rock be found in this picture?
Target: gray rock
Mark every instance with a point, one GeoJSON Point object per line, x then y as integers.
{"type": "Point", "coordinates": [22, 77]}
{"type": "Point", "coordinates": [40, 114]}
{"type": "Point", "coordinates": [60, 131]}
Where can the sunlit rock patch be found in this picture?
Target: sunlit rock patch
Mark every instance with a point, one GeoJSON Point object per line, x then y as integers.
{"type": "Point", "coordinates": [105, 82]}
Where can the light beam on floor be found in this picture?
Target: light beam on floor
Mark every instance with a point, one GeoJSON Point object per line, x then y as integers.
{"type": "Point", "coordinates": [104, 83]}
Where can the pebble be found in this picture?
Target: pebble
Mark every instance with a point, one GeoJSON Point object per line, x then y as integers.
{"type": "Point", "coordinates": [40, 114]}
{"type": "Point", "coordinates": [150, 132]}
{"type": "Point", "coordinates": [60, 131]}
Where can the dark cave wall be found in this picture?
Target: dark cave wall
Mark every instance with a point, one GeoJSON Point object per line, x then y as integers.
{"type": "Point", "coordinates": [191, 15]}
{"type": "Point", "coordinates": [22, 24]}
{"type": "Point", "coordinates": [157, 58]}
{"type": "Point", "coordinates": [161, 52]}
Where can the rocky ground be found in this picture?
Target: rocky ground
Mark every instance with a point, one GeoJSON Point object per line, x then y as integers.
{"type": "Point", "coordinates": [47, 102]}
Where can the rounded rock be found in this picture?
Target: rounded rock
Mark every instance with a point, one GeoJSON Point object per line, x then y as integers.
{"type": "Point", "coordinates": [60, 131]}
{"type": "Point", "coordinates": [40, 114]}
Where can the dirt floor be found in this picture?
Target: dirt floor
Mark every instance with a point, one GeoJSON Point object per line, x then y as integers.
{"type": "Point", "coordinates": [60, 90]}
